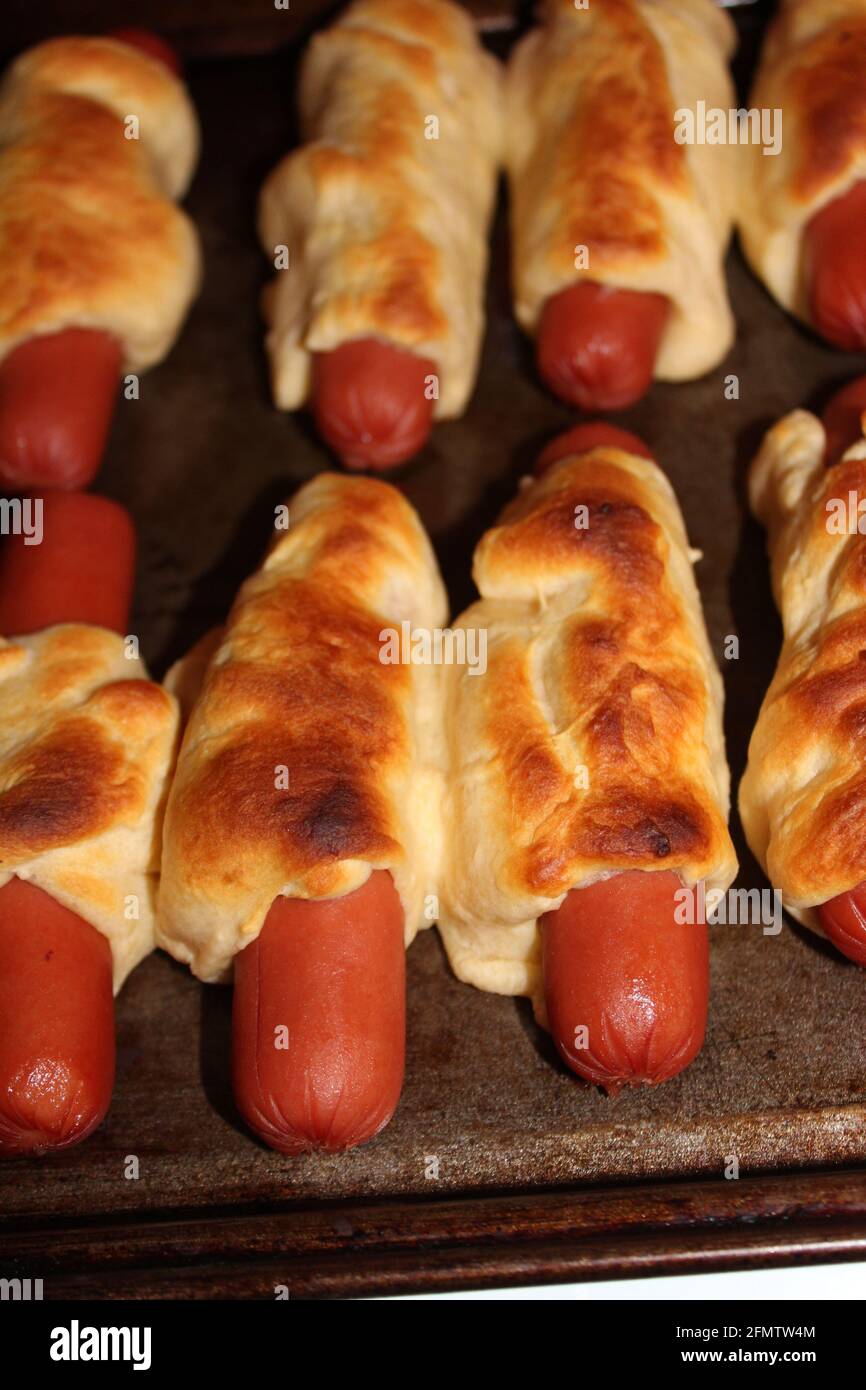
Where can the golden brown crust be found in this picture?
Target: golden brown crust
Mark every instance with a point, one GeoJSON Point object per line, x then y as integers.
{"type": "Point", "coordinates": [616, 128]}
{"type": "Point", "coordinates": [541, 544]}
{"type": "Point", "coordinates": [88, 232]}
{"type": "Point", "coordinates": [803, 795]}
{"type": "Point", "coordinates": [86, 745]}
{"type": "Point", "coordinates": [623, 671]}
{"type": "Point", "coordinates": [592, 101]}
{"type": "Point", "coordinates": [593, 742]}
{"type": "Point", "coordinates": [411, 206]}
{"type": "Point", "coordinates": [827, 88]}
{"type": "Point", "coordinates": [336, 725]}
{"type": "Point", "coordinates": [303, 765]}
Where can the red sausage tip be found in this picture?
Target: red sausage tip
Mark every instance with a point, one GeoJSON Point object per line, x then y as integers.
{"type": "Point", "coordinates": [151, 44]}
{"type": "Point", "coordinates": [57, 395]}
{"type": "Point", "coordinates": [626, 981]}
{"type": "Point", "coordinates": [843, 919]}
{"type": "Point", "coordinates": [597, 345]}
{"type": "Point", "coordinates": [43, 1110]}
{"type": "Point", "coordinates": [81, 570]}
{"type": "Point", "coordinates": [842, 419]}
{"type": "Point", "coordinates": [583, 438]}
{"type": "Point", "coordinates": [56, 1023]}
{"type": "Point", "coordinates": [370, 402]}
{"type": "Point", "coordinates": [319, 1020]}
{"type": "Point", "coordinates": [835, 262]}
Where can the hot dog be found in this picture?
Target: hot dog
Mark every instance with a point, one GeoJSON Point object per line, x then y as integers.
{"type": "Point", "coordinates": [597, 345]}
{"type": "Point", "coordinates": [585, 792]}
{"type": "Point", "coordinates": [370, 402]}
{"type": "Point", "coordinates": [319, 1020]}
{"type": "Point", "coordinates": [835, 260]}
{"type": "Point", "coordinates": [626, 982]}
{"type": "Point", "coordinates": [385, 224]}
{"type": "Point", "coordinates": [618, 282]}
{"type": "Point", "coordinates": [58, 390]}
{"type": "Point", "coordinates": [305, 759]}
{"type": "Point", "coordinates": [616, 960]}
{"type": "Point", "coordinates": [56, 1007]}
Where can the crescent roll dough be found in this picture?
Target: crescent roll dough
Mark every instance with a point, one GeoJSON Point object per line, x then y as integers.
{"type": "Point", "coordinates": [593, 742]}
{"type": "Point", "coordinates": [89, 235]}
{"type": "Point", "coordinates": [591, 96]}
{"type": "Point", "coordinates": [385, 210]}
{"type": "Point", "coordinates": [803, 795]}
{"type": "Point", "coordinates": [308, 761]}
{"type": "Point", "coordinates": [813, 69]}
{"type": "Point", "coordinates": [87, 744]}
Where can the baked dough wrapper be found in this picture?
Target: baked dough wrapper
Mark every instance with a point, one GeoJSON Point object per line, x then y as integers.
{"type": "Point", "coordinates": [386, 228]}
{"type": "Point", "coordinates": [591, 97]}
{"type": "Point", "coordinates": [813, 68]}
{"type": "Point", "coordinates": [89, 234]}
{"type": "Point", "coordinates": [87, 744]}
{"type": "Point", "coordinates": [599, 672]}
{"type": "Point", "coordinates": [308, 762]}
{"type": "Point", "coordinates": [803, 796]}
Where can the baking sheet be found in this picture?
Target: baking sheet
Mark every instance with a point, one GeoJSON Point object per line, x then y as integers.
{"type": "Point", "coordinates": [201, 459]}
